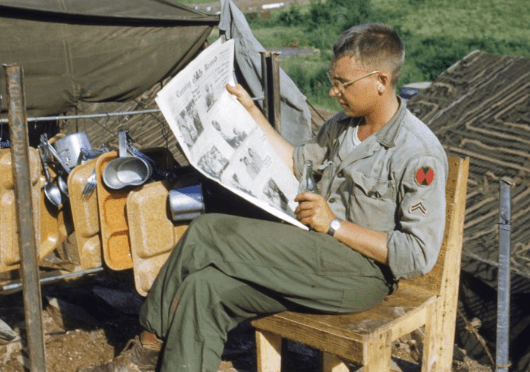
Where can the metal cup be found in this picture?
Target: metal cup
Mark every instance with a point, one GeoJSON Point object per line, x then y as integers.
{"type": "Point", "coordinates": [69, 148]}
{"type": "Point", "coordinates": [129, 171]}
{"type": "Point", "coordinates": [186, 203]}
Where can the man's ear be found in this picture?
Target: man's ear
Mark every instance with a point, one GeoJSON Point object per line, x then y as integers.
{"type": "Point", "coordinates": [384, 82]}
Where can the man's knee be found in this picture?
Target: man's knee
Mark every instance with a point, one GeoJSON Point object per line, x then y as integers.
{"type": "Point", "coordinates": [204, 281]}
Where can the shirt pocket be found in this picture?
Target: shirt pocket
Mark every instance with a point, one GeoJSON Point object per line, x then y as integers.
{"type": "Point", "coordinates": [372, 201]}
{"type": "Point", "coordinates": [373, 187]}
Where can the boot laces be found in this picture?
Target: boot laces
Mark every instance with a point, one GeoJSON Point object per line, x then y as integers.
{"type": "Point", "coordinates": [136, 353]}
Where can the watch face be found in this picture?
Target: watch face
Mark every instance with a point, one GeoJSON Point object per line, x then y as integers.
{"type": "Point", "coordinates": [335, 225]}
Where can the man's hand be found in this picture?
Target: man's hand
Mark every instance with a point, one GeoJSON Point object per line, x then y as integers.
{"type": "Point", "coordinates": [284, 148]}
{"type": "Point", "coordinates": [242, 96]}
{"type": "Point", "coordinates": [313, 210]}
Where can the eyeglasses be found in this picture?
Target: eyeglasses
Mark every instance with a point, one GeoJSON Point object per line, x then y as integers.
{"type": "Point", "coordinates": [341, 86]}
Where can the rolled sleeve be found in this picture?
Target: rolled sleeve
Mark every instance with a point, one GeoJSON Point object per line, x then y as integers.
{"type": "Point", "coordinates": [316, 150]}
{"type": "Point", "coordinates": [413, 247]}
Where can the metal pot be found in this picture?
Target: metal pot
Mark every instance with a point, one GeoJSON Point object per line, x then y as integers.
{"type": "Point", "coordinates": [69, 148]}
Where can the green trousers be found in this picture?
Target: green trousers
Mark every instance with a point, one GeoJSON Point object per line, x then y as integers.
{"type": "Point", "coordinates": [227, 269]}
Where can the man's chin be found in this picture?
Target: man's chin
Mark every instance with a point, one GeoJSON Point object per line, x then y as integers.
{"type": "Point", "coordinates": [349, 112]}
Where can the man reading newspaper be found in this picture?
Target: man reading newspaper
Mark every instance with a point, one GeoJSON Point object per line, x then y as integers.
{"type": "Point", "coordinates": [379, 216]}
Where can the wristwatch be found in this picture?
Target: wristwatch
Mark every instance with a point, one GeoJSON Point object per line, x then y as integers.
{"type": "Point", "coordinates": [334, 226]}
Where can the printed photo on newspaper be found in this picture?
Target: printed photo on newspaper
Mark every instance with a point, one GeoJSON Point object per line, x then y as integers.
{"type": "Point", "coordinates": [220, 138]}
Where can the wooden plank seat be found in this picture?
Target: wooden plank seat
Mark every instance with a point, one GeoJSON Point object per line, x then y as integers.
{"type": "Point", "coordinates": [365, 338]}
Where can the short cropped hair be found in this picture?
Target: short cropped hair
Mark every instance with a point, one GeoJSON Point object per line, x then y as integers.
{"type": "Point", "coordinates": [374, 46]}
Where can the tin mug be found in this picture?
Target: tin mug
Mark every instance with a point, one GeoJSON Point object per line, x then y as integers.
{"type": "Point", "coordinates": [129, 171]}
{"type": "Point", "coordinates": [186, 203]}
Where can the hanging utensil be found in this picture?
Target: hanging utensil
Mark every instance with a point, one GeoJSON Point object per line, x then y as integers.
{"type": "Point", "coordinates": [52, 192]}
{"type": "Point", "coordinates": [126, 170]}
{"type": "Point", "coordinates": [63, 186]}
{"type": "Point", "coordinates": [90, 186]}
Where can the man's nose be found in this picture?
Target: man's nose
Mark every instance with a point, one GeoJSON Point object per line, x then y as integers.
{"type": "Point", "coordinates": [333, 92]}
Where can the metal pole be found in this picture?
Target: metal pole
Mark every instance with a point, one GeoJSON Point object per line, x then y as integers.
{"type": "Point", "coordinates": [18, 130]}
{"type": "Point", "coordinates": [503, 297]}
{"type": "Point", "coordinates": [15, 287]}
{"type": "Point", "coordinates": [88, 116]}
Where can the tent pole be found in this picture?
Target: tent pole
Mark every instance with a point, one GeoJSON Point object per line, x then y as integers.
{"type": "Point", "coordinates": [20, 161]}
{"type": "Point", "coordinates": [503, 297]}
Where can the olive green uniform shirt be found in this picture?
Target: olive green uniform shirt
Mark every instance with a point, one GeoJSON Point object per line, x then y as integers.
{"type": "Point", "coordinates": [394, 182]}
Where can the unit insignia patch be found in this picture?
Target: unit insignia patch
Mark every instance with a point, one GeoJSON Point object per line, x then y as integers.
{"type": "Point", "coordinates": [425, 176]}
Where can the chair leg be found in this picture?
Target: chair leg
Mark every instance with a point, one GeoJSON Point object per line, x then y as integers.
{"type": "Point", "coordinates": [431, 342]}
{"type": "Point", "coordinates": [268, 351]}
{"type": "Point", "coordinates": [377, 353]}
{"type": "Point", "coordinates": [332, 363]}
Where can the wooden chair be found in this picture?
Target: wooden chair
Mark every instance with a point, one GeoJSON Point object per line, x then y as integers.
{"type": "Point", "coordinates": [366, 338]}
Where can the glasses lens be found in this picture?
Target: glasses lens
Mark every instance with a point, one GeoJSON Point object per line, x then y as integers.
{"type": "Point", "coordinates": [334, 82]}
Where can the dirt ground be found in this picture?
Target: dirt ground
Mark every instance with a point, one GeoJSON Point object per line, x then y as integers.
{"type": "Point", "coordinates": [89, 331]}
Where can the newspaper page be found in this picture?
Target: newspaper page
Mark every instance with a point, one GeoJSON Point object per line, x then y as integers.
{"type": "Point", "coordinates": [220, 138]}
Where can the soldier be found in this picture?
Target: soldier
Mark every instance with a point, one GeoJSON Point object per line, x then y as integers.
{"type": "Point", "coordinates": [379, 216]}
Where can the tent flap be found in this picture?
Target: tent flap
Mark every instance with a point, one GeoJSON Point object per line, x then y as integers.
{"type": "Point", "coordinates": [67, 61]}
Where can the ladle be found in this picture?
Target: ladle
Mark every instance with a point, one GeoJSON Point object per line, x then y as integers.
{"type": "Point", "coordinates": [51, 191]}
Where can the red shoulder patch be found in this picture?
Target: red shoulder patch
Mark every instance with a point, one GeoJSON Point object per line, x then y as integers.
{"type": "Point", "coordinates": [424, 176]}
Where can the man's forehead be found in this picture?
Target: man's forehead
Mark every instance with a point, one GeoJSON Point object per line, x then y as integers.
{"type": "Point", "coordinates": [345, 63]}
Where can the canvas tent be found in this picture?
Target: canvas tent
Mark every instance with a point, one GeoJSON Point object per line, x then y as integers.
{"type": "Point", "coordinates": [87, 57]}
{"type": "Point", "coordinates": [96, 51]}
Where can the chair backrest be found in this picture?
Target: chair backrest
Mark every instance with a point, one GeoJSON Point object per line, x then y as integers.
{"type": "Point", "coordinates": [444, 277]}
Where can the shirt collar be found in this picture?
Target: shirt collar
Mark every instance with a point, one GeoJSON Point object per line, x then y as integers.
{"type": "Point", "coordinates": [386, 135]}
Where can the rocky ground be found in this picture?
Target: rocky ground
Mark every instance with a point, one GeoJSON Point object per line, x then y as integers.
{"type": "Point", "coordinates": [88, 321]}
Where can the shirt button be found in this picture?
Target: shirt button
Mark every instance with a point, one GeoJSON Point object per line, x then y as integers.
{"type": "Point", "coordinates": [332, 200]}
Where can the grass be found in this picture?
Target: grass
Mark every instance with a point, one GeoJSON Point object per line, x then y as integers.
{"type": "Point", "coordinates": [437, 33]}
{"type": "Point", "coordinates": [500, 19]}
{"type": "Point", "coordinates": [195, 2]}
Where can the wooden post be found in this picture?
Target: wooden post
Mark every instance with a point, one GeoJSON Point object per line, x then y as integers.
{"type": "Point", "coordinates": [18, 130]}
{"type": "Point", "coordinates": [270, 71]}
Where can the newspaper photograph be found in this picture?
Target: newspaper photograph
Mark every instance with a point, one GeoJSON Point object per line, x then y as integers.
{"type": "Point", "coordinates": [220, 138]}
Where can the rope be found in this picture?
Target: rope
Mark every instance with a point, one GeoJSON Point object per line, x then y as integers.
{"type": "Point", "coordinates": [473, 327]}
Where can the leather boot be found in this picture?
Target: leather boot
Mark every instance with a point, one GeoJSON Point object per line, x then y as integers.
{"type": "Point", "coordinates": [139, 355]}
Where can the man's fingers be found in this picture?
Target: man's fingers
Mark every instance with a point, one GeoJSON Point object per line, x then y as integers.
{"type": "Point", "coordinates": [241, 94]}
{"type": "Point", "coordinates": [305, 213]}
{"type": "Point", "coordinates": [309, 196]}
{"type": "Point", "coordinates": [305, 205]}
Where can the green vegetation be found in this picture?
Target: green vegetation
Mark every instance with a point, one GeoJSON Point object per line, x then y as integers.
{"type": "Point", "coordinates": [195, 2]}
{"type": "Point", "coordinates": [437, 33]}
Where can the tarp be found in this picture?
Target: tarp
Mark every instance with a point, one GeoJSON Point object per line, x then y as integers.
{"type": "Point", "coordinates": [97, 50]}
{"type": "Point", "coordinates": [295, 115]}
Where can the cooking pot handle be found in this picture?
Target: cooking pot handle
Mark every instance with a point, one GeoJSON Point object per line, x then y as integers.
{"type": "Point", "coordinates": [123, 137]}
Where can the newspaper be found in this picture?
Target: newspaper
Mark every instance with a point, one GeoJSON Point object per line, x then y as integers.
{"type": "Point", "coordinates": [220, 138]}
